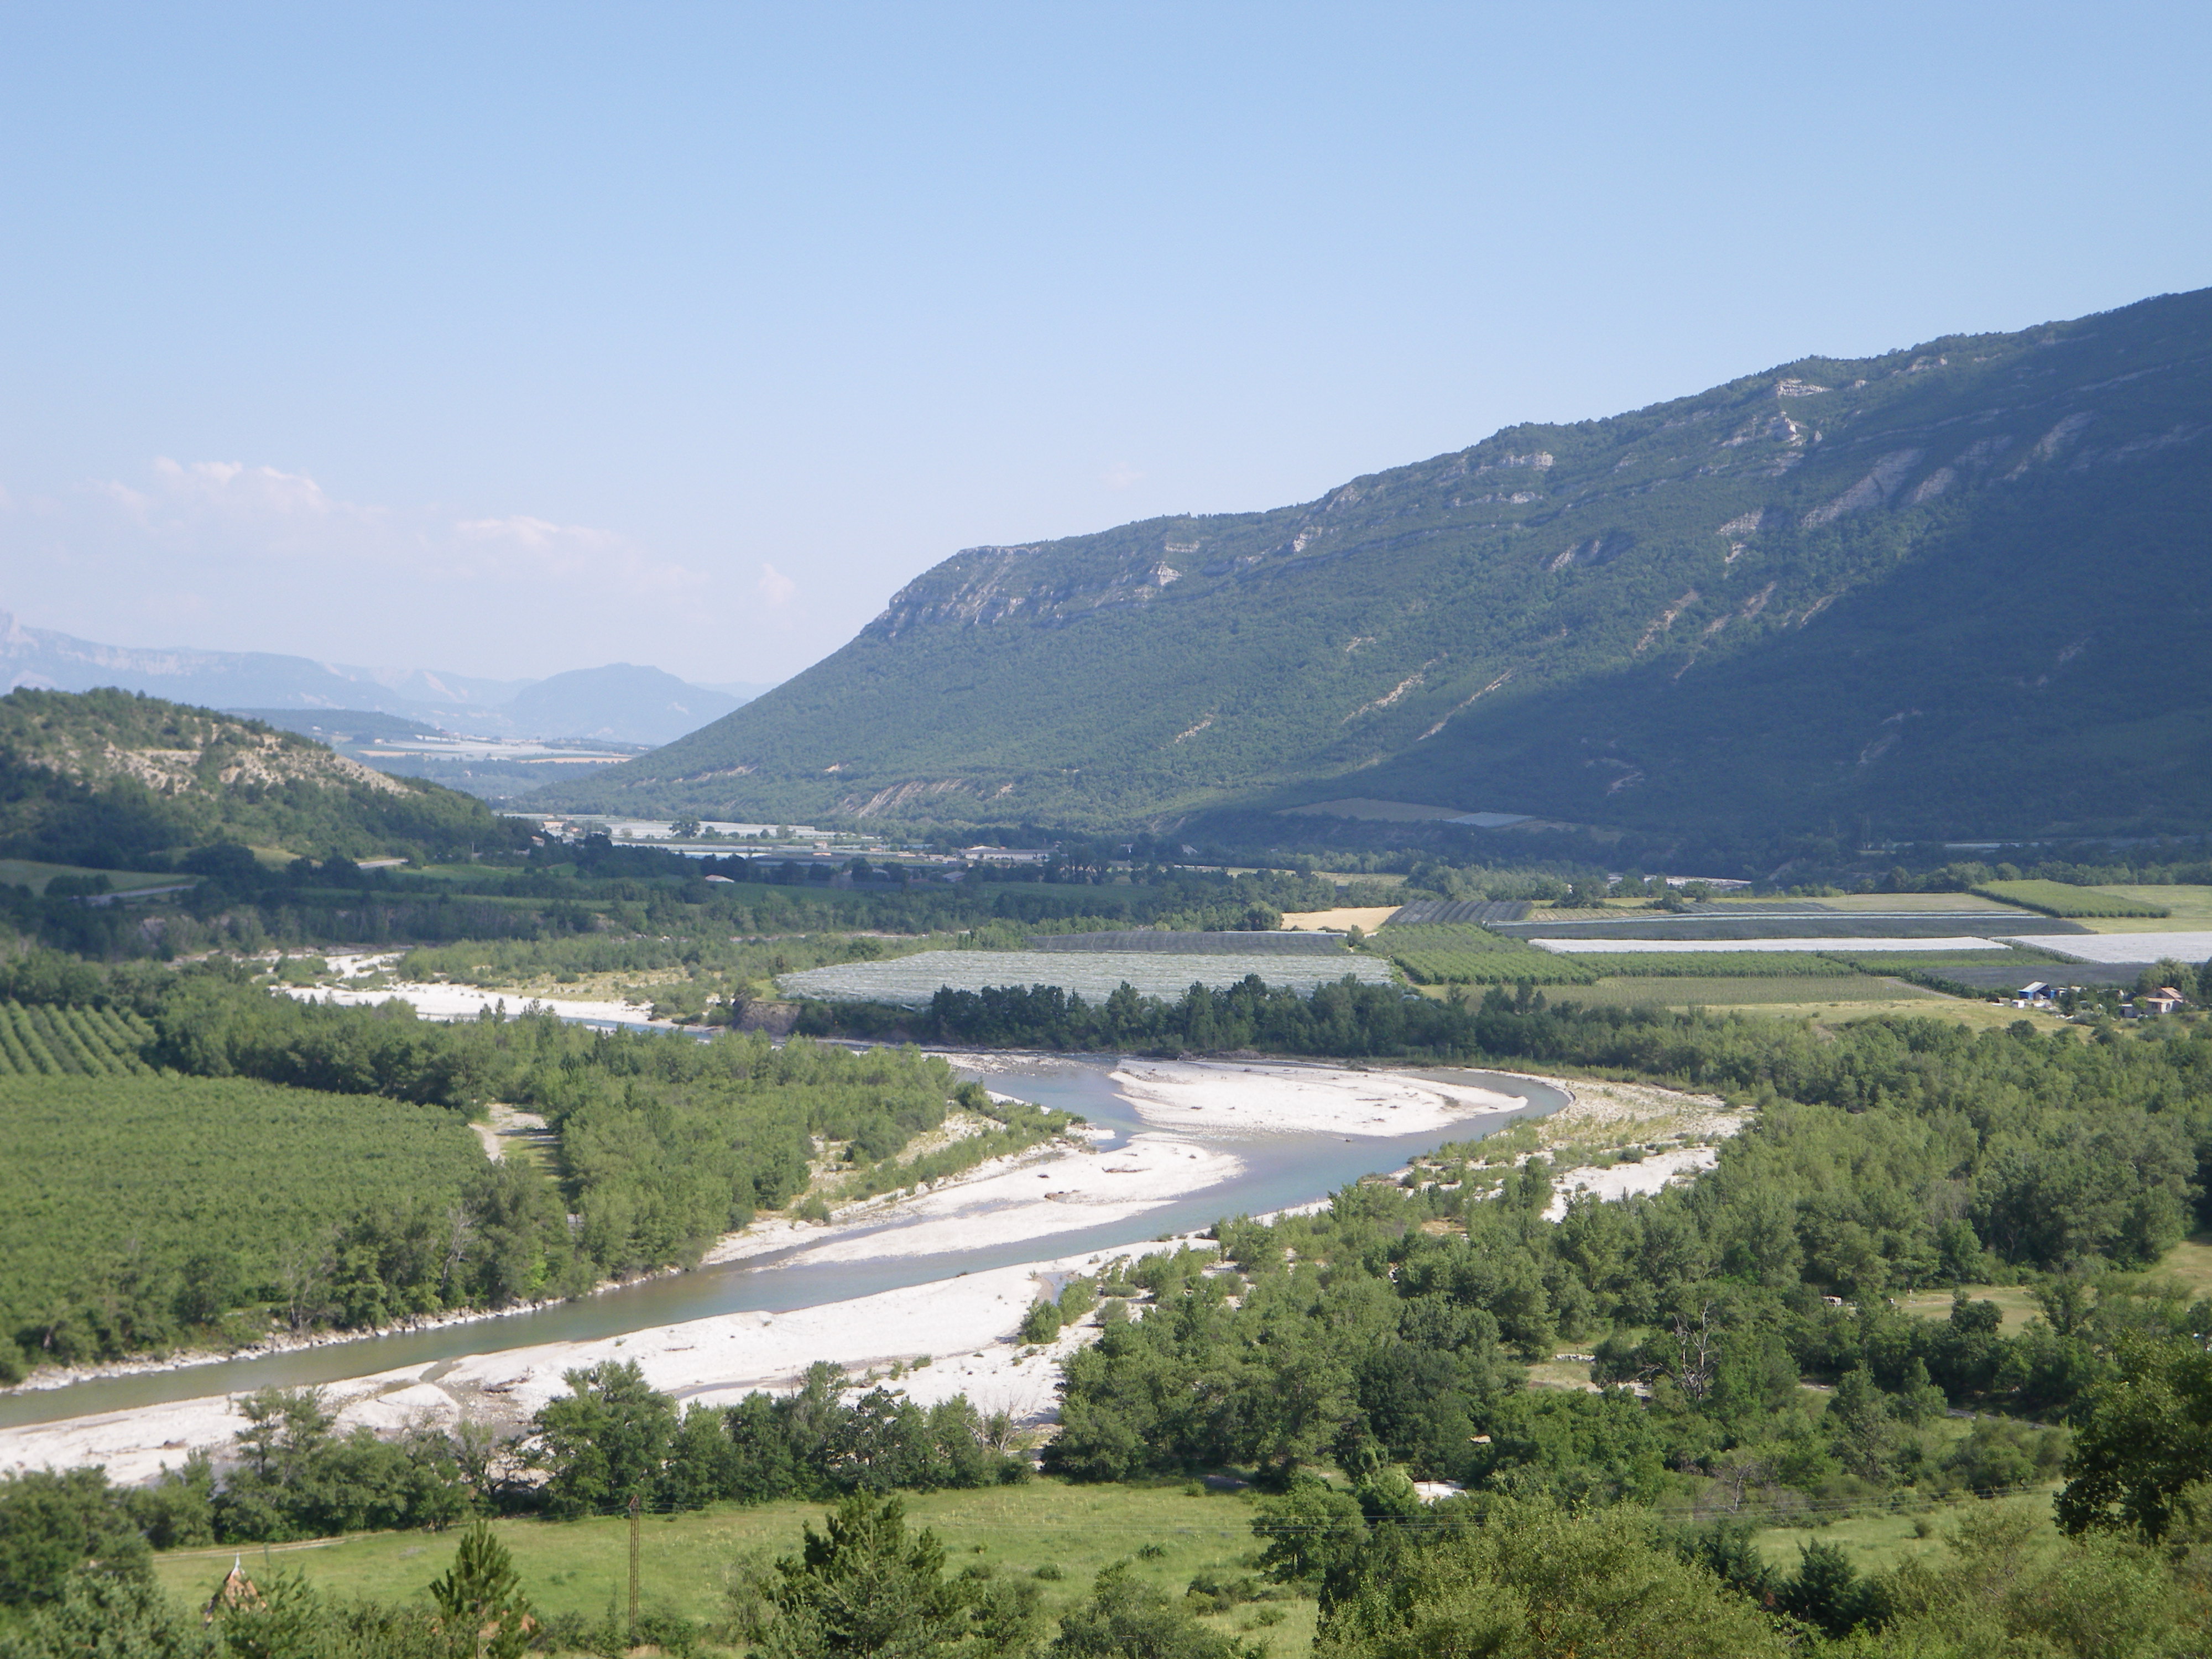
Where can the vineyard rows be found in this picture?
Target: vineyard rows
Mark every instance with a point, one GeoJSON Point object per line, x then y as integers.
{"type": "Point", "coordinates": [1463, 953]}
{"type": "Point", "coordinates": [39, 1041]}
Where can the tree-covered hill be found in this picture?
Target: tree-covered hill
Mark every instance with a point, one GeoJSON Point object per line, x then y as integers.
{"type": "Point", "coordinates": [1960, 587]}
{"type": "Point", "coordinates": [108, 777]}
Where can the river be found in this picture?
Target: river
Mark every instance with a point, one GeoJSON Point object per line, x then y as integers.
{"type": "Point", "coordinates": [1277, 1170]}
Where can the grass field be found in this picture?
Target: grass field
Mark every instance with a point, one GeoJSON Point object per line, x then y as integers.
{"type": "Point", "coordinates": [2188, 1265]}
{"type": "Point", "coordinates": [578, 1566]}
{"type": "Point", "coordinates": [29, 872]}
{"type": "Point", "coordinates": [1895, 1000]}
{"type": "Point", "coordinates": [1876, 1543]}
{"type": "Point", "coordinates": [2017, 1306]}
{"type": "Point", "coordinates": [2059, 898]}
{"type": "Point", "coordinates": [1991, 1015]}
{"type": "Point", "coordinates": [2191, 908]}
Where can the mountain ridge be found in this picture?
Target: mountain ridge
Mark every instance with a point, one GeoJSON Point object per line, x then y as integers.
{"type": "Point", "coordinates": [109, 777]}
{"type": "Point", "coordinates": [619, 701]}
{"type": "Point", "coordinates": [1831, 592]}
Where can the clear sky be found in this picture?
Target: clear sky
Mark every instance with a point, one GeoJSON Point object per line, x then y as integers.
{"type": "Point", "coordinates": [509, 339]}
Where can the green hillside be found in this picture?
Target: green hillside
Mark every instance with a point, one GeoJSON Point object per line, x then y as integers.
{"type": "Point", "coordinates": [104, 777]}
{"type": "Point", "coordinates": [1960, 588]}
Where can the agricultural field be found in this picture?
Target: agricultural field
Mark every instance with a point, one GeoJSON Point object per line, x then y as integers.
{"type": "Point", "coordinates": [1784, 945]}
{"type": "Point", "coordinates": [1886, 904]}
{"type": "Point", "coordinates": [1872, 958]}
{"type": "Point", "coordinates": [2059, 898]}
{"type": "Point", "coordinates": [1366, 917]}
{"type": "Point", "coordinates": [2188, 909]}
{"type": "Point", "coordinates": [2133, 943]}
{"type": "Point", "coordinates": [1792, 990]}
{"type": "Point", "coordinates": [1465, 953]}
{"type": "Point", "coordinates": [2006, 968]}
{"type": "Point", "coordinates": [1057, 1534]}
{"type": "Point", "coordinates": [1190, 943]}
{"type": "Point", "coordinates": [145, 1185]}
{"type": "Point", "coordinates": [911, 981]}
{"type": "Point", "coordinates": [1716, 964]}
{"type": "Point", "coordinates": [141, 1181]}
{"type": "Point", "coordinates": [34, 875]}
{"type": "Point", "coordinates": [1433, 912]}
{"type": "Point", "coordinates": [1443, 954]}
{"type": "Point", "coordinates": [42, 1041]}
{"type": "Point", "coordinates": [1718, 922]}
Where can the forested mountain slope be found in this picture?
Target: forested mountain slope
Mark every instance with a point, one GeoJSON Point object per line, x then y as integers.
{"type": "Point", "coordinates": [1959, 588]}
{"type": "Point", "coordinates": [105, 777]}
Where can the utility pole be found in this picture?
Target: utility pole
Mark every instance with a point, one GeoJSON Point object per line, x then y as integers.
{"type": "Point", "coordinates": [633, 1568]}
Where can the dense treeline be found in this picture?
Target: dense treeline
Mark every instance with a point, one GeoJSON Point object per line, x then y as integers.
{"type": "Point", "coordinates": [2136, 1102]}
{"type": "Point", "coordinates": [1348, 1019]}
{"type": "Point", "coordinates": [664, 1143]}
{"type": "Point", "coordinates": [291, 1474]}
{"type": "Point", "coordinates": [1368, 1340]}
{"type": "Point", "coordinates": [613, 1438]}
{"type": "Point", "coordinates": [1890, 1156]}
{"type": "Point", "coordinates": [1534, 1579]}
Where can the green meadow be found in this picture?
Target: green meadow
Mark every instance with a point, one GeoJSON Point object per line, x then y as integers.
{"type": "Point", "coordinates": [1059, 1534]}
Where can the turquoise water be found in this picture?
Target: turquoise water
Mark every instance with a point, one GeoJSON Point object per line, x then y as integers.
{"type": "Point", "coordinates": [1277, 1170]}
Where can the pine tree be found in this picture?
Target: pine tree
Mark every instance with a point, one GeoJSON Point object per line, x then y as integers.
{"type": "Point", "coordinates": [480, 1600]}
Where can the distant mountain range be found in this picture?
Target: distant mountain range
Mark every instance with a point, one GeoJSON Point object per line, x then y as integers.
{"type": "Point", "coordinates": [618, 703]}
{"type": "Point", "coordinates": [1965, 588]}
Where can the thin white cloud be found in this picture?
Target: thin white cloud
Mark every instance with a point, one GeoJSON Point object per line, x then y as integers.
{"type": "Point", "coordinates": [229, 554]}
{"type": "Point", "coordinates": [775, 587]}
{"type": "Point", "coordinates": [1120, 476]}
{"type": "Point", "coordinates": [233, 486]}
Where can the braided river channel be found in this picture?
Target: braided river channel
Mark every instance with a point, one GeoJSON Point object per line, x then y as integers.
{"type": "Point", "coordinates": [1277, 1171]}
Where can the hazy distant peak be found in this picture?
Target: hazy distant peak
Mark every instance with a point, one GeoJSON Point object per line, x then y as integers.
{"type": "Point", "coordinates": [624, 703]}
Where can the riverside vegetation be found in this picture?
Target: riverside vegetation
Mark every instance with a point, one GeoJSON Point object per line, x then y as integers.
{"type": "Point", "coordinates": [1333, 1357]}
{"type": "Point", "coordinates": [248, 1158]}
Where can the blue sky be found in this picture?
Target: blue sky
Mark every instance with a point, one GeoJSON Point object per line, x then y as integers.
{"type": "Point", "coordinates": [512, 339]}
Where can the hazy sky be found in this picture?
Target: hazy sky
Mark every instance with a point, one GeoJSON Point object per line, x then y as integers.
{"type": "Point", "coordinates": [512, 339]}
